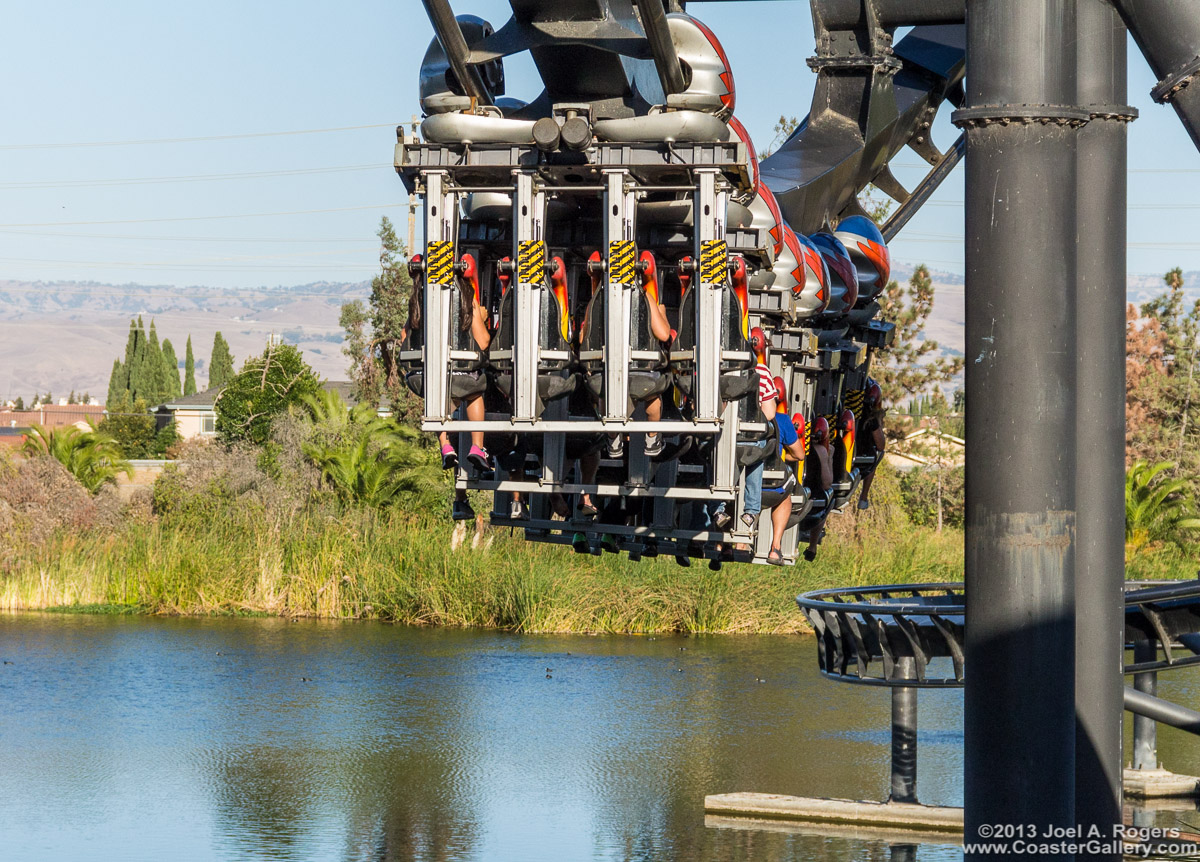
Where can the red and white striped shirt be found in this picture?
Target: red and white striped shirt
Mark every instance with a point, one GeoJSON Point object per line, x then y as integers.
{"type": "Point", "coordinates": [766, 384]}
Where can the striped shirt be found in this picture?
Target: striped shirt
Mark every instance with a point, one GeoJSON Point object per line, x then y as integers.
{"type": "Point", "coordinates": [766, 384]}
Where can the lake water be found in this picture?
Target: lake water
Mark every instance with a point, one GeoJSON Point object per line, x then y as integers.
{"type": "Point", "coordinates": [202, 739]}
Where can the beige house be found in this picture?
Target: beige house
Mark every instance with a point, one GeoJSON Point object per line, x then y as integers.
{"type": "Point", "coordinates": [193, 415]}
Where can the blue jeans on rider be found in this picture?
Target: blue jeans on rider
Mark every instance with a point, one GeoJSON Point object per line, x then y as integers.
{"type": "Point", "coordinates": [753, 498]}
{"type": "Point", "coordinates": [754, 477]}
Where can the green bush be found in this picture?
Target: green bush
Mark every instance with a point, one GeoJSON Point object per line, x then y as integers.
{"type": "Point", "coordinates": [265, 387]}
{"type": "Point", "coordinates": [919, 490]}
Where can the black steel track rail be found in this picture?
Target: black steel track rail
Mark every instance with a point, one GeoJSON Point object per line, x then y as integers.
{"type": "Point", "coordinates": [863, 633]}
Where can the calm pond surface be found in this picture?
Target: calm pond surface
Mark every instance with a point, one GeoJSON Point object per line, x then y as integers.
{"type": "Point", "coordinates": [151, 738]}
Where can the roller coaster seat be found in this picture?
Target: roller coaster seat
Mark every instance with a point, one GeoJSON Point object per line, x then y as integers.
{"type": "Point", "coordinates": [737, 379]}
{"type": "Point", "coordinates": [710, 86]}
{"type": "Point", "coordinates": [410, 357]}
{"type": "Point", "coordinates": [554, 377]}
{"type": "Point", "coordinates": [846, 476]}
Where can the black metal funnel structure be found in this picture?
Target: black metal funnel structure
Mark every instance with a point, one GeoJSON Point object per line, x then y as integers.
{"type": "Point", "coordinates": [871, 101]}
{"type": "Point", "coordinates": [1168, 34]}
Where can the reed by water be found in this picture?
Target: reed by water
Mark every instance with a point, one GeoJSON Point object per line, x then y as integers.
{"type": "Point", "coordinates": [364, 564]}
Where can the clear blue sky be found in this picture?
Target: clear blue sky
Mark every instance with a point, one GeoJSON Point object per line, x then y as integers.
{"type": "Point", "coordinates": [81, 72]}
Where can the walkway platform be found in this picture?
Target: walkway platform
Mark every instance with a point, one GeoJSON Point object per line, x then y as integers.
{"type": "Point", "coordinates": [892, 816]}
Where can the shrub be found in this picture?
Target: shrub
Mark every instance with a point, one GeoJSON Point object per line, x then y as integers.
{"type": "Point", "coordinates": [261, 391]}
{"type": "Point", "coordinates": [93, 458]}
{"type": "Point", "coordinates": [919, 489]}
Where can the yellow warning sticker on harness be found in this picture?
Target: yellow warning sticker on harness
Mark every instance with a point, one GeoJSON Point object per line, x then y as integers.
{"type": "Point", "coordinates": [714, 262]}
{"type": "Point", "coordinates": [622, 255]}
{"type": "Point", "coordinates": [531, 261]}
{"type": "Point", "coordinates": [439, 262]}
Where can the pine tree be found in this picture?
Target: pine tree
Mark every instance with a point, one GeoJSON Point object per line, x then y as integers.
{"type": "Point", "coordinates": [171, 369]}
{"type": "Point", "coordinates": [189, 371]}
{"type": "Point", "coordinates": [909, 366]}
{"type": "Point", "coordinates": [220, 367]}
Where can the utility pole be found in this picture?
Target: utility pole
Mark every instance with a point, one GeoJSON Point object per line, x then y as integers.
{"type": "Point", "coordinates": [412, 205]}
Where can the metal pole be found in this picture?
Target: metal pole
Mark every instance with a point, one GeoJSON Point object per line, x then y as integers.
{"type": "Point", "coordinates": [445, 25]}
{"type": "Point", "coordinates": [1145, 730]}
{"type": "Point", "coordinates": [1021, 124]}
{"type": "Point", "coordinates": [1142, 704]}
{"type": "Point", "coordinates": [1168, 34]}
{"type": "Point", "coordinates": [1100, 410]}
{"type": "Point", "coordinates": [658, 34]}
{"type": "Point", "coordinates": [904, 736]}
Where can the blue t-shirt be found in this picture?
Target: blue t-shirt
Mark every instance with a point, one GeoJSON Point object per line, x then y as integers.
{"type": "Point", "coordinates": [787, 430]}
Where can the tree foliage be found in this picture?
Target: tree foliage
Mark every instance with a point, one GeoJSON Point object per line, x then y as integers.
{"type": "Point", "coordinates": [91, 457]}
{"type": "Point", "coordinates": [374, 331]}
{"type": "Point", "coordinates": [189, 371]}
{"type": "Point", "coordinates": [1161, 386]}
{"type": "Point", "coordinates": [263, 389]}
{"type": "Point", "coordinates": [150, 371]}
{"type": "Point", "coordinates": [913, 366]}
{"type": "Point", "coordinates": [170, 370]}
{"type": "Point", "coordinates": [220, 366]}
{"type": "Point", "coordinates": [367, 459]}
{"type": "Point", "coordinates": [131, 425]}
{"type": "Point", "coordinates": [1157, 509]}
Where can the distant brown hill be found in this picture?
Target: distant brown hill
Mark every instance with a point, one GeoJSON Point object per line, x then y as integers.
{"type": "Point", "coordinates": [60, 336]}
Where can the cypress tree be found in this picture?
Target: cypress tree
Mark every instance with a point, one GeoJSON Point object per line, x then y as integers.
{"type": "Point", "coordinates": [139, 380]}
{"type": "Point", "coordinates": [189, 371]}
{"type": "Point", "coordinates": [220, 368]}
{"type": "Point", "coordinates": [171, 369]}
{"type": "Point", "coordinates": [156, 380]}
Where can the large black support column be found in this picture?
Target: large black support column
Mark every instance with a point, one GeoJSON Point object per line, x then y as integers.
{"type": "Point", "coordinates": [1099, 447]}
{"type": "Point", "coordinates": [1022, 124]}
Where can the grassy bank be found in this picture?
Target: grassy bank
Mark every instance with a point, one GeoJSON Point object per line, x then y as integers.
{"type": "Point", "coordinates": [231, 534]}
{"type": "Point", "coordinates": [369, 565]}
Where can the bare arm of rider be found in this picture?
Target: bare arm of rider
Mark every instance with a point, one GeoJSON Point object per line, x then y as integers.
{"type": "Point", "coordinates": [479, 328]}
{"type": "Point", "coordinates": [660, 327]}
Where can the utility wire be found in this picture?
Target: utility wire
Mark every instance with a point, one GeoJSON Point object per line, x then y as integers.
{"type": "Point", "coordinates": [189, 178]}
{"type": "Point", "coordinates": [192, 139]}
{"type": "Point", "coordinates": [200, 218]}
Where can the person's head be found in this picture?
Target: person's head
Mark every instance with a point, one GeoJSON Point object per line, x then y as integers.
{"type": "Point", "coordinates": [781, 394]}
{"type": "Point", "coordinates": [468, 299]}
{"type": "Point", "coordinates": [759, 343]}
{"type": "Point", "coordinates": [821, 430]}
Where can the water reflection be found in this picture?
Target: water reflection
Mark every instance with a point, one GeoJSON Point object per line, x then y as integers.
{"type": "Point", "coordinates": [133, 738]}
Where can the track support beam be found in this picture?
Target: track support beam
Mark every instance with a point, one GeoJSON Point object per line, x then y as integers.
{"type": "Point", "coordinates": [1022, 125]}
{"type": "Point", "coordinates": [1100, 408]}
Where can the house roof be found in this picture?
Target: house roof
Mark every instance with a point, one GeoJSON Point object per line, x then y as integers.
{"type": "Point", "coordinates": [205, 400]}
{"type": "Point", "coordinates": [196, 401]}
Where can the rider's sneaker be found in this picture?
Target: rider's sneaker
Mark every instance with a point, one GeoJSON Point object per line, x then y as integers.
{"type": "Point", "coordinates": [449, 457]}
{"type": "Point", "coordinates": [479, 457]}
{"type": "Point", "coordinates": [462, 511]}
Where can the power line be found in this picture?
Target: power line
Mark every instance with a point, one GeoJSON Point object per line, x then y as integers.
{"type": "Point", "coordinates": [189, 178]}
{"type": "Point", "coordinates": [192, 139]}
{"type": "Point", "coordinates": [200, 218]}
{"type": "Point", "coordinates": [262, 240]}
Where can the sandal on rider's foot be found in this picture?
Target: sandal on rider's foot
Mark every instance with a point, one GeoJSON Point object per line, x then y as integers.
{"type": "Point", "coordinates": [774, 557]}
